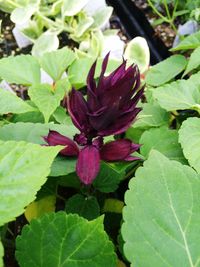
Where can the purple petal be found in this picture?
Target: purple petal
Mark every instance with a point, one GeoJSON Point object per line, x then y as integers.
{"type": "Point", "coordinates": [103, 69]}
{"type": "Point", "coordinates": [77, 108]}
{"type": "Point", "coordinates": [88, 164]}
{"type": "Point", "coordinates": [118, 150]}
{"type": "Point", "coordinates": [54, 139]}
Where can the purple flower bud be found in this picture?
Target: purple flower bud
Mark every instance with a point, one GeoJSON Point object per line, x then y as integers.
{"type": "Point", "coordinates": [88, 164]}
{"type": "Point", "coordinates": [55, 139]}
{"type": "Point", "coordinates": [119, 150]}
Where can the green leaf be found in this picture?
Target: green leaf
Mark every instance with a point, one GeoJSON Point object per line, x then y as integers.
{"type": "Point", "coordinates": [190, 42]}
{"type": "Point", "coordinates": [56, 62]}
{"type": "Point", "coordinates": [108, 178]}
{"type": "Point", "coordinates": [21, 15]}
{"type": "Point", "coordinates": [164, 140]}
{"type": "Point", "coordinates": [39, 207]}
{"type": "Point", "coordinates": [101, 17]}
{"type": "Point", "coordinates": [33, 132]}
{"type": "Point", "coordinates": [79, 70]}
{"type": "Point", "coordinates": [68, 240]}
{"type": "Point", "coordinates": [182, 94]}
{"type": "Point", "coordinates": [137, 51]}
{"type": "Point", "coordinates": [166, 70]}
{"type": "Point", "coordinates": [194, 61]}
{"type": "Point", "coordinates": [10, 103]}
{"type": "Point", "coordinates": [46, 98]}
{"type": "Point", "coordinates": [162, 214]}
{"type": "Point", "coordinates": [47, 42]}
{"type": "Point", "coordinates": [189, 137]}
{"type": "Point", "coordinates": [1, 254]}
{"type": "Point", "coordinates": [71, 8]}
{"type": "Point", "coordinates": [152, 115]}
{"type": "Point", "coordinates": [85, 206]}
{"type": "Point", "coordinates": [23, 69]}
{"type": "Point", "coordinates": [63, 166]}
{"type": "Point", "coordinates": [24, 169]}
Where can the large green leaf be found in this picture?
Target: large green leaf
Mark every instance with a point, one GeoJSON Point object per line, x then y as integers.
{"type": "Point", "coordinates": [182, 94]}
{"type": "Point", "coordinates": [33, 132]}
{"type": "Point", "coordinates": [164, 140]}
{"type": "Point", "coordinates": [1, 254]}
{"type": "Point", "coordinates": [46, 98]}
{"type": "Point", "coordinates": [162, 214]}
{"type": "Point", "coordinates": [190, 42]}
{"type": "Point", "coordinates": [10, 103]}
{"type": "Point", "coordinates": [152, 115]}
{"type": "Point", "coordinates": [189, 137]}
{"type": "Point", "coordinates": [63, 166]}
{"type": "Point", "coordinates": [166, 70]}
{"type": "Point", "coordinates": [56, 62]}
{"type": "Point", "coordinates": [71, 8]}
{"type": "Point", "coordinates": [68, 240]}
{"type": "Point", "coordinates": [24, 169]}
{"type": "Point", "coordinates": [23, 69]}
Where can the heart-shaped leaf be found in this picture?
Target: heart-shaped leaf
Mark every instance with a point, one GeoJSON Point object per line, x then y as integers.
{"type": "Point", "coordinates": [68, 240]}
{"type": "Point", "coordinates": [161, 219]}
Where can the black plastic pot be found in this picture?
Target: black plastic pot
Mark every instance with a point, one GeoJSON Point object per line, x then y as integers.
{"type": "Point", "coordinates": [136, 24]}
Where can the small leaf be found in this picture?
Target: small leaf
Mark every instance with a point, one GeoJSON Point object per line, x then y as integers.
{"type": "Point", "coordinates": [24, 169]}
{"type": "Point", "coordinates": [163, 140]}
{"type": "Point", "coordinates": [189, 137]}
{"type": "Point", "coordinates": [21, 15]}
{"type": "Point", "coordinates": [152, 115]}
{"type": "Point", "coordinates": [71, 8]}
{"type": "Point", "coordinates": [23, 69]}
{"type": "Point", "coordinates": [40, 207]}
{"type": "Point", "coordinates": [182, 94]}
{"type": "Point", "coordinates": [10, 103]}
{"type": "Point", "coordinates": [85, 206]}
{"type": "Point", "coordinates": [194, 61]}
{"type": "Point", "coordinates": [162, 214]}
{"type": "Point", "coordinates": [101, 17]}
{"type": "Point", "coordinates": [108, 178]}
{"type": "Point", "coordinates": [56, 62]}
{"type": "Point", "coordinates": [46, 98]}
{"type": "Point", "coordinates": [68, 240]}
{"type": "Point", "coordinates": [113, 205]}
{"type": "Point", "coordinates": [190, 42]}
{"type": "Point", "coordinates": [137, 51]}
{"type": "Point", "coordinates": [47, 42]}
{"type": "Point", "coordinates": [166, 70]}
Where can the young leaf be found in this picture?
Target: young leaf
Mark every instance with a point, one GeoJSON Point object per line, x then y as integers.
{"type": "Point", "coordinates": [21, 15]}
{"type": "Point", "coordinates": [166, 70]}
{"type": "Point", "coordinates": [24, 168]}
{"type": "Point", "coordinates": [46, 98]}
{"type": "Point", "coordinates": [164, 140]}
{"type": "Point", "coordinates": [68, 240]}
{"type": "Point", "coordinates": [190, 42]}
{"type": "Point", "coordinates": [71, 8]}
{"type": "Point", "coordinates": [162, 214]}
{"type": "Point", "coordinates": [56, 62]}
{"type": "Point", "coordinates": [47, 42]}
{"type": "Point", "coordinates": [23, 69]}
{"type": "Point", "coordinates": [86, 207]}
{"type": "Point", "coordinates": [40, 207]}
{"type": "Point", "coordinates": [152, 115]}
{"type": "Point", "coordinates": [182, 94]}
{"type": "Point", "coordinates": [10, 103]}
{"type": "Point", "coordinates": [189, 137]}
{"type": "Point", "coordinates": [194, 61]}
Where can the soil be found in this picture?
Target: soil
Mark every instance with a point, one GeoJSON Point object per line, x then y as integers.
{"type": "Point", "coordinates": [163, 31]}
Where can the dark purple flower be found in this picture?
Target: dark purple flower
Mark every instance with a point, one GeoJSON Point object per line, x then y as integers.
{"type": "Point", "coordinates": [108, 109]}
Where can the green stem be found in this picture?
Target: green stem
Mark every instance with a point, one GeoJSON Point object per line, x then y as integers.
{"type": "Point", "coordinates": [157, 12]}
{"type": "Point", "coordinates": [14, 4]}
